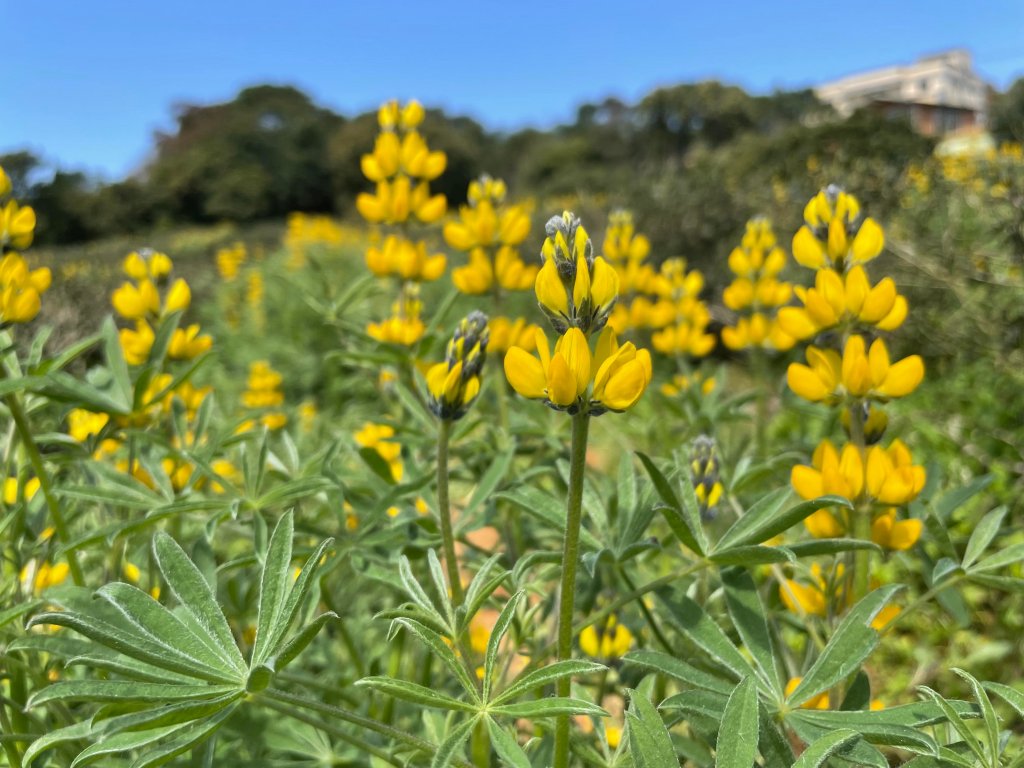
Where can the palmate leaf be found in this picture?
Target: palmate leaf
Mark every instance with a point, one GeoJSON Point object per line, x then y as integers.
{"type": "Point", "coordinates": [180, 672]}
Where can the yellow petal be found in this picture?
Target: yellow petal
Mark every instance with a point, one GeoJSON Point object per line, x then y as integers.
{"type": "Point", "coordinates": [525, 373]}
{"type": "Point", "coordinates": [869, 241]}
{"type": "Point", "coordinates": [807, 250]}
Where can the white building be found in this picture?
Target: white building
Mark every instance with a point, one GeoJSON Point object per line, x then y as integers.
{"type": "Point", "coordinates": [940, 94]}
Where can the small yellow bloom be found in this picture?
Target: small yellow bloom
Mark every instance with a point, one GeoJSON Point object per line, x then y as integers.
{"type": "Point", "coordinates": [455, 383]}
{"type": "Point", "coordinates": [137, 344]}
{"type": "Point", "coordinates": [815, 702]}
{"type": "Point", "coordinates": [13, 491]}
{"type": "Point", "coordinates": [131, 572]}
{"type": "Point", "coordinates": [560, 378]}
{"type": "Point", "coordinates": [17, 226]}
{"type": "Point", "coordinates": [858, 374]}
{"type": "Point", "coordinates": [612, 641]}
{"type": "Point", "coordinates": [377, 438]}
{"type": "Point", "coordinates": [136, 301]}
{"type": "Point", "coordinates": [834, 235]}
{"type": "Point", "coordinates": [187, 344]}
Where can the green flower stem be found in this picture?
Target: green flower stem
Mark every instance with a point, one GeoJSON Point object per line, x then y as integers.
{"type": "Point", "coordinates": [762, 374]}
{"type": "Point", "coordinates": [861, 517]}
{"type": "Point", "coordinates": [24, 429]}
{"type": "Point", "coordinates": [292, 705]}
{"type": "Point", "coordinates": [444, 512]}
{"type": "Point", "coordinates": [570, 560]}
{"type": "Point", "coordinates": [9, 744]}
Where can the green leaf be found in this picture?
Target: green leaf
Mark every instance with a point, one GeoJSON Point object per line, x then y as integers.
{"type": "Point", "coordinates": [957, 722]}
{"type": "Point", "coordinates": [765, 518]}
{"type": "Point", "coordinates": [195, 595]}
{"type": "Point", "coordinates": [852, 642]}
{"type": "Point", "coordinates": [274, 588]}
{"type": "Point", "coordinates": [441, 649]}
{"type": "Point", "coordinates": [752, 555]}
{"type": "Point", "coordinates": [446, 751]}
{"type": "Point", "coordinates": [546, 508]}
{"type": "Point", "coordinates": [65, 388]}
{"type": "Point", "coordinates": [816, 547]}
{"type": "Point", "coordinates": [1001, 558]}
{"type": "Point", "coordinates": [508, 749]}
{"type": "Point", "coordinates": [418, 594]}
{"type": "Point", "coordinates": [501, 626]}
{"type": "Point", "coordinates": [536, 678]}
{"type": "Point", "coordinates": [135, 645]}
{"type": "Point", "coordinates": [148, 617]}
{"type": "Point", "coordinates": [982, 536]}
{"type": "Point", "coordinates": [873, 729]}
{"type": "Point", "coordinates": [417, 694]}
{"type": "Point", "coordinates": [707, 635]}
{"type": "Point", "coordinates": [748, 616]}
{"type": "Point", "coordinates": [822, 749]}
{"type": "Point", "coordinates": [737, 738]}
{"type": "Point", "coordinates": [76, 732]}
{"type": "Point", "coordinates": [683, 519]}
{"type": "Point", "coordinates": [677, 669]}
{"type": "Point", "coordinates": [551, 706]}
{"type": "Point", "coordinates": [292, 607]}
{"type": "Point", "coordinates": [953, 499]}
{"type": "Point", "coordinates": [1011, 696]}
{"type": "Point", "coordinates": [855, 753]}
{"type": "Point", "coordinates": [115, 361]}
{"type": "Point", "coordinates": [182, 743]}
{"type": "Point", "coordinates": [299, 641]}
{"type": "Point", "coordinates": [988, 714]}
{"type": "Point", "coordinates": [649, 741]}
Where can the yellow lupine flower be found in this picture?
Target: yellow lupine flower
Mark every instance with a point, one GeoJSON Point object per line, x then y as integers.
{"type": "Point", "coordinates": [839, 301]}
{"type": "Point", "coordinates": [809, 599]}
{"type": "Point", "coordinates": [5, 183]}
{"type": "Point", "coordinates": [136, 301]}
{"type": "Point", "coordinates": [131, 572]}
{"type": "Point", "coordinates": [455, 383]}
{"type": "Point", "coordinates": [887, 475]}
{"type": "Point", "coordinates": [230, 260]}
{"type": "Point", "coordinates": [574, 288]}
{"type": "Point", "coordinates": [559, 378]}
{"type": "Point", "coordinates": [506, 333]}
{"type": "Point", "coordinates": [17, 226]}
{"type": "Point", "coordinates": [11, 490]}
{"type": "Point", "coordinates": [38, 576]}
{"type": "Point", "coordinates": [815, 702]}
{"type": "Point", "coordinates": [857, 374]}
{"type": "Point", "coordinates": [140, 265]}
{"type": "Point", "coordinates": [620, 373]}
{"type": "Point", "coordinates": [621, 241]}
{"type": "Point", "coordinates": [397, 256]}
{"type": "Point", "coordinates": [834, 236]}
{"type": "Point", "coordinates": [178, 297]}
{"type": "Point", "coordinates": [137, 344]}
{"type": "Point", "coordinates": [377, 438]}
{"type": "Point", "coordinates": [187, 344]}
{"type": "Point", "coordinates": [508, 269]}
{"type": "Point", "coordinates": [886, 531]}
{"type": "Point", "coordinates": [20, 289]}
{"type": "Point", "coordinates": [612, 641]}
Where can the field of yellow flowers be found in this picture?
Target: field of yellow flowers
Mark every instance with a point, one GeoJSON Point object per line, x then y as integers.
{"type": "Point", "coordinates": [494, 487]}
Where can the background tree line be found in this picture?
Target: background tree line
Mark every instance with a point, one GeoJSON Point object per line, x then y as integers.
{"type": "Point", "coordinates": [692, 160]}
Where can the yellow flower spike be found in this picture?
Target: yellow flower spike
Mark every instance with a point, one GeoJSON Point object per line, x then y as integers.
{"type": "Point", "coordinates": [388, 115]}
{"type": "Point", "coordinates": [5, 183]}
{"type": "Point", "coordinates": [137, 344]}
{"type": "Point", "coordinates": [454, 384]}
{"type": "Point", "coordinates": [136, 302]}
{"type": "Point", "coordinates": [179, 297]}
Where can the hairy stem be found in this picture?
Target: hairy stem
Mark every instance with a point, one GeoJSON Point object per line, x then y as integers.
{"type": "Point", "coordinates": [445, 513]}
{"type": "Point", "coordinates": [570, 560]}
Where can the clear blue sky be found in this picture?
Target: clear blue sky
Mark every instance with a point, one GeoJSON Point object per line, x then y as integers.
{"type": "Point", "coordinates": [86, 84]}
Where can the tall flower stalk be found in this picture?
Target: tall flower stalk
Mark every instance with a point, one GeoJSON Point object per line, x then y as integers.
{"type": "Point", "coordinates": [577, 292]}
{"type": "Point", "coordinates": [452, 386]}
